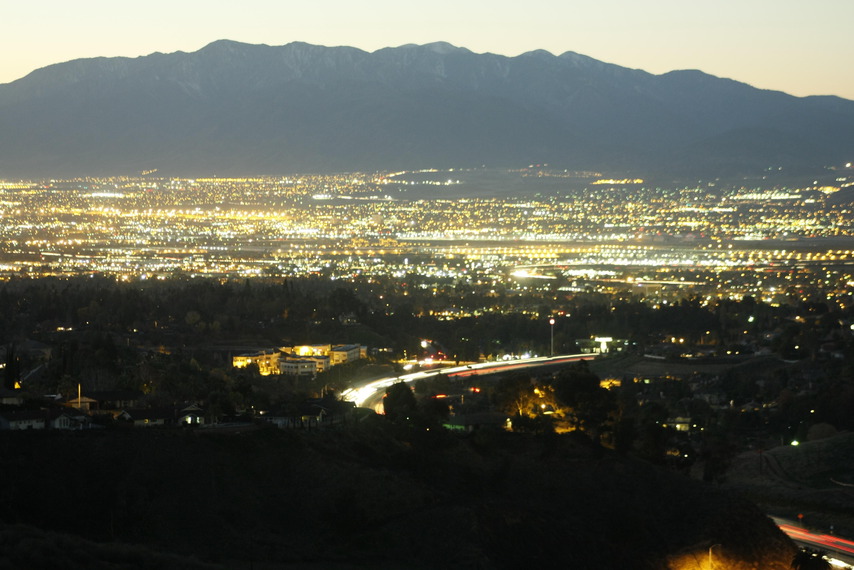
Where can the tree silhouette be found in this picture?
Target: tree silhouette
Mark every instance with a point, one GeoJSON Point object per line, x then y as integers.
{"type": "Point", "coordinates": [399, 402]}
{"type": "Point", "coordinates": [12, 372]}
{"type": "Point", "coordinates": [514, 394]}
{"type": "Point", "coordinates": [434, 410]}
{"type": "Point", "coordinates": [590, 406]}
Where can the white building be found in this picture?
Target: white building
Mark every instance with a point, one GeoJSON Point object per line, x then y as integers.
{"type": "Point", "coordinates": [267, 361]}
{"type": "Point", "coordinates": [298, 367]}
{"type": "Point", "coordinates": [344, 353]}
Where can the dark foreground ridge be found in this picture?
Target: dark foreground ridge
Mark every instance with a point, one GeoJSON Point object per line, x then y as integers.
{"type": "Point", "coordinates": [378, 495]}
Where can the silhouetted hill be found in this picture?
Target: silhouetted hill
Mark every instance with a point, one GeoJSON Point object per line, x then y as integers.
{"type": "Point", "coordinates": [233, 108]}
{"type": "Point", "coordinates": [814, 478]}
{"type": "Point", "coordinates": [375, 496]}
{"type": "Point", "coordinates": [28, 548]}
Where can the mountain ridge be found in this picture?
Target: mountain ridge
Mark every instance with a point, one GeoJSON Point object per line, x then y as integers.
{"type": "Point", "coordinates": [238, 108]}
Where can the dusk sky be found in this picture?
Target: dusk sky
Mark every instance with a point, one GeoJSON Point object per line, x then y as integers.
{"type": "Point", "coordinates": [802, 48]}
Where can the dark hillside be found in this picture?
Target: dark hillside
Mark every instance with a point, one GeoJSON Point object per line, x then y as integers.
{"type": "Point", "coordinates": [377, 496]}
{"type": "Point", "coordinates": [29, 548]}
{"type": "Point", "coordinates": [815, 478]}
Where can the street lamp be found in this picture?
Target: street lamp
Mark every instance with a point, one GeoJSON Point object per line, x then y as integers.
{"type": "Point", "coordinates": [552, 337]}
{"type": "Point", "coordinates": [710, 555]}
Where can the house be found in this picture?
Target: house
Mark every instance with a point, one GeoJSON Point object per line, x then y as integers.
{"type": "Point", "coordinates": [304, 415]}
{"type": "Point", "coordinates": [114, 400]}
{"type": "Point", "coordinates": [23, 419]}
{"type": "Point", "coordinates": [148, 417]}
{"type": "Point", "coordinates": [82, 403]}
{"type": "Point", "coordinates": [192, 415]}
{"type": "Point", "coordinates": [67, 419]}
{"type": "Point", "coordinates": [45, 418]}
{"type": "Point", "coordinates": [11, 397]}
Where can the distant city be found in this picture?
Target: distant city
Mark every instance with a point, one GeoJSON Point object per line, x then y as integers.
{"type": "Point", "coordinates": [597, 235]}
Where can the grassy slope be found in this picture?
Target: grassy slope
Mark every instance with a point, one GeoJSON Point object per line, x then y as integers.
{"type": "Point", "coordinates": [800, 480]}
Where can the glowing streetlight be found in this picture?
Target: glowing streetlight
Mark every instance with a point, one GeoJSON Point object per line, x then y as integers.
{"type": "Point", "coordinates": [552, 337]}
{"type": "Point", "coordinates": [710, 555]}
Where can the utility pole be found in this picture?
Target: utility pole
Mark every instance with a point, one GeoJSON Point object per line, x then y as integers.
{"type": "Point", "coordinates": [552, 337]}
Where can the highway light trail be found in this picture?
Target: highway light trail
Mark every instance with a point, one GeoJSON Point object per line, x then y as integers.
{"type": "Point", "coordinates": [823, 540]}
{"type": "Point", "coordinates": [364, 393]}
{"type": "Point", "coordinates": [827, 542]}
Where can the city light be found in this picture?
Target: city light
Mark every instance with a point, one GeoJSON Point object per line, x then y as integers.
{"type": "Point", "coordinates": [661, 244]}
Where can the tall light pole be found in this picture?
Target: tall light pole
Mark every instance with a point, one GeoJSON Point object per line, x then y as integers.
{"type": "Point", "coordinates": [710, 555]}
{"type": "Point", "coordinates": [552, 337]}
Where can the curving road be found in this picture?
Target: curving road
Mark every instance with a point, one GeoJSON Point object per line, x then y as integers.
{"type": "Point", "coordinates": [370, 394]}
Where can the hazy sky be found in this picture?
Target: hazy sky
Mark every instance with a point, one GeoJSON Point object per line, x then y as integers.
{"type": "Point", "coordinates": [798, 46]}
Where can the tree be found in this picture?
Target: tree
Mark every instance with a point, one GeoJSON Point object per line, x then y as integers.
{"type": "Point", "coordinates": [514, 394]}
{"type": "Point", "coordinates": [399, 402]}
{"type": "Point", "coordinates": [651, 441]}
{"type": "Point", "coordinates": [589, 405]}
{"type": "Point", "coordinates": [434, 409]}
{"type": "Point", "coordinates": [533, 424]}
{"type": "Point", "coordinates": [12, 372]}
{"type": "Point", "coordinates": [575, 380]}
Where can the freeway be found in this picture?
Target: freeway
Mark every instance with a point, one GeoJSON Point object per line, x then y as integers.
{"type": "Point", "coordinates": [371, 394]}
{"type": "Point", "coordinates": [839, 551]}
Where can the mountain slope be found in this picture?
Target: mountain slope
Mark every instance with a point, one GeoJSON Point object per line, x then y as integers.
{"type": "Point", "coordinates": [233, 108]}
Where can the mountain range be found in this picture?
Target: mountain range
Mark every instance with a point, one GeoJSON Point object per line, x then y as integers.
{"type": "Point", "coordinates": [239, 109]}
